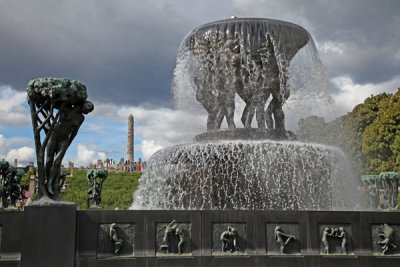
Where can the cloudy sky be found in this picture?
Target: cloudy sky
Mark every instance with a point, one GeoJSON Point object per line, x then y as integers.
{"type": "Point", "coordinates": [124, 51]}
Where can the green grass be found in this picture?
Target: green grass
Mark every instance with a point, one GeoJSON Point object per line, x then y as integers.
{"type": "Point", "coordinates": [117, 191]}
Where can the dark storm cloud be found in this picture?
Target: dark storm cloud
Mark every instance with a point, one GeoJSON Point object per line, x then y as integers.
{"type": "Point", "coordinates": [369, 32]}
{"type": "Point", "coordinates": [124, 51]}
{"type": "Point", "coordinates": [366, 30]}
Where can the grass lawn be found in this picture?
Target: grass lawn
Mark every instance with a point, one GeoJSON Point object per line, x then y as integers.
{"type": "Point", "coordinates": [117, 190]}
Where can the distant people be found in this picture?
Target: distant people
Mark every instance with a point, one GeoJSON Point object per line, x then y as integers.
{"type": "Point", "coordinates": [65, 185]}
{"type": "Point", "coordinates": [27, 194]}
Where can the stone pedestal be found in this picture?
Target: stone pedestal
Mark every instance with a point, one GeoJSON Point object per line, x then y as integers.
{"type": "Point", "coordinates": [49, 230]}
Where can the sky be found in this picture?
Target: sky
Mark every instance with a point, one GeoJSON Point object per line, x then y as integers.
{"type": "Point", "coordinates": [124, 51]}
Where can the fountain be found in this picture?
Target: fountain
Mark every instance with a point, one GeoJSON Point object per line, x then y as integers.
{"type": "Point", "coordinates": [243, 168]}
{"type": "Point", "coordinates": [230, 185]}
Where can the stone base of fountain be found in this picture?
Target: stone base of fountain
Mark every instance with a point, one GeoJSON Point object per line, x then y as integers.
{"type": "Point", "coordinates": [245, 134]}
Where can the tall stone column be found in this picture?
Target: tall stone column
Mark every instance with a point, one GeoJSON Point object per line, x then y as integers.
{"type": "Point", "coordinates": [129, 147]}
{"type": "Point", "coordinates": [15, 163]}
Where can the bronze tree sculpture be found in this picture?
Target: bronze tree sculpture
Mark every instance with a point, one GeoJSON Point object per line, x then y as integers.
{"type": "Point", "coordinates": [57, 108]}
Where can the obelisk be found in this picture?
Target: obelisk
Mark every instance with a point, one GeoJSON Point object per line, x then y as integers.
{"type": "Point", "coordinates": [129, 147]}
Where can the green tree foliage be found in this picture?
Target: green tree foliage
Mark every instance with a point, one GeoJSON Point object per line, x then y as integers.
{"type": "Point", "coordinates": [381, 138]}
{"type": "Point", "coordinates": [117, 191]}
{"type": "Point", "coordinates": [370, 133]}
{"type": "Point", "coordinates": [25, 181]}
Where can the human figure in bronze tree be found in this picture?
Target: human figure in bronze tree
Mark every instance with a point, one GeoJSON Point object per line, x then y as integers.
{"type": "Point", "coordinates": [65, 130]}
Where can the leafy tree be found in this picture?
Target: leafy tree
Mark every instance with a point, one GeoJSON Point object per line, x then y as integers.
{"type": "Point", "coordinates": [381, 138]}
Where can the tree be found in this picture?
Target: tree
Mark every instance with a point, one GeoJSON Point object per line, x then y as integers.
{"type": "Point", "coordinates": [57, 108]}
{"type": "Point", "coordinates": [381, 138]}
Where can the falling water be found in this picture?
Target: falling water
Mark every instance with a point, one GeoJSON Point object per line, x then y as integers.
{"type": "Point", "coordinates": [244, 175]}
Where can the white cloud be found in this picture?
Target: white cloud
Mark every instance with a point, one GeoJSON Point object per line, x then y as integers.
{"type": "Point", "coordinates": [351, 94]}
{"type": "Point", "coordinates": [23, 154]}
{"type": "Point", "coordinates": [148, 147]}
{"type": "Point", "coordinates": [87, 154]}
{"type": "Point", "coordinates": [16, 148]}
{"type": "Point", "coordinates": [331, 47]}
{"type": "Point", "coordinates": [12, 111]}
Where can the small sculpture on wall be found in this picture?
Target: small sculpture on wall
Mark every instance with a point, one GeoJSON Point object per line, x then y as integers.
{"type": "Point", "coordinates": [386, 233]}
{"type": "Point", "coordinates": [341, 234]}
{"type": "Point", "coordinates": [114, 239]}
{"type": "Point", "coordinates": [280, 238]}
{"type": "Point", "coordinates": [173, 230]}
{"type": "Point", "coordinates": [229, 240]}
{"type": "Point", "coordinates": [336, 233]}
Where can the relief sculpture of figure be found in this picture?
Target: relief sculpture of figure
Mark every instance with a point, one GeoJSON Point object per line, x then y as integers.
{"type": "Point", "coordinates": [173, 230]}
{"type": "Point", "coordinates": [326, 233]}
{"type": "Point", "coordinates": [280, 239]}
{"type": "Point", "coordinates": [341, 234]}
{"type": "Point", "coordinates": [229, 240]}
{"type": "Point", "coordinates": [386, 233]}
{"type": "Point", "coordinates": [114, 239]}
{"type": "Point", "coordinates": [335, 233]}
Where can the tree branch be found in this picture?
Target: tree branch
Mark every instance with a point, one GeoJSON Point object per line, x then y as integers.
{"type": "Point", "coordinates": [46, 139]}
{"type": "Point", "coordinates": [42, 106]}
{"type": "Point", "coordinates": [44, 123]}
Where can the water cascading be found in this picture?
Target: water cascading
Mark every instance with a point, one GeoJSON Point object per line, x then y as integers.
{"type": "Point", "coordinates": [241, 67]}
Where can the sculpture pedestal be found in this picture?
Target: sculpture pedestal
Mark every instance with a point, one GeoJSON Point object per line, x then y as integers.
{"type": "Point", "coordinates": [49, 235]}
